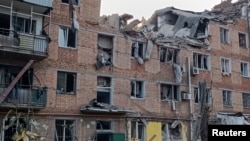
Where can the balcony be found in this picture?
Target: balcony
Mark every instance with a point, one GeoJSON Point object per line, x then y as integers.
{"type": "Point", "coordinates": [22, 46]}
{"type": "Point", "coordinates": [24, 98]}
{"type": "Point", "coordinates": [45, 3]}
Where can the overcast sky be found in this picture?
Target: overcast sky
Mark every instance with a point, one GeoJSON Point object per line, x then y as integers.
{"type": "Point", "coordinates": [140, 8]}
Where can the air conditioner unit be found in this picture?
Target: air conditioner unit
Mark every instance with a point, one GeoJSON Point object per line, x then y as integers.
{"type": "Point", "coordinates": [186, 96]}
{"type": "Point", "coordinates": [195, 71]}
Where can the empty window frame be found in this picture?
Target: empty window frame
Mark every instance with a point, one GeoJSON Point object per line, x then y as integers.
{"type": "Point", "coordinates": [75, 2]}
{"type": "Point", "coordinates": [168, 55]}
{"type": "Point", "coordinates": [66, 82]}
{"type": "Point", "coordinates": [224, 35]}
{"type": "Point", "coordinates": [65, 130]}
{"type": "Point", "coordinates": [244, 67]}
{"type": "Point", "coordinates": [105, 50]}
{"type": "Point", "coordinates": [67, 37]}
{"type": "Point", "coordinates": [11, 131]}
{"type": "Point", "coordinates": [137, 131]}
{"type": "Point", "coordinates": [201, 61]}
{"type": "Point", "coordinates": [242, 40]}
{"type": "Point", "coordinates": [171, 133]}
{"type": "Point", "coordinates": [104, 89]}
{"type": "Point", "coordinates": [197, 96]}
{"type": "Point", "coordinates": [225, 65]}
{"type": "Point", "coordinates": [246, 100]}
{"type": "Point", "coordinates": [137, 50]}
{"type": "Point", "coordinates": [170, 92]}
{"type": "Point", "coordinates": [104, 132]}
{"type": "Point", "coordinates": [137, 89]}
{"type": "Point", "coordinates": [227, 98]}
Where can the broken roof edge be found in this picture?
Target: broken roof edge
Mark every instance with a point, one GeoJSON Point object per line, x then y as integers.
{"type": "Point", "coordinates": [94, 109]}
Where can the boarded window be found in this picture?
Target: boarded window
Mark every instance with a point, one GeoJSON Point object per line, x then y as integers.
{"type": "Point", "coordinates": [227, 98]}
{"type": "Point", "coordinates": [65, 130]}
{"type": "Point", "coordinates": [66, 82]}
{"type": "Point", "coordinates": [246, 99]}
{"type": "Point", "coordinates": [201, 61]}
{"type": "Point", "coordinates": [225, 65]}
{"type": "Point", "coordinates": [224, 35]}
{"type": "Point", "coordinates": [170, 92]}
{"type": "Point", "coordinates": [242, 40]}
{"type": "Point", "coordinates": [67, 37]}
{"type": "Point", "coordinates": [168, 55]}
{"type": "Point", "coordinates": [244, 66]}
{"type": "Point", "coordinates": [137, 89]}
{"type": "Point", "coordinates": [104, 89]}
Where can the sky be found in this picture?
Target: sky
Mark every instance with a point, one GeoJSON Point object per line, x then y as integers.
{"type": "Point", "coordinates": [145, 8]}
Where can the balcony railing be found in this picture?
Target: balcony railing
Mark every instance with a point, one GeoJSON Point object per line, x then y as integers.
{"type": "Point", "coordinates": [23, 43]}
{"type": "Point", "coordinates": [25, 97]}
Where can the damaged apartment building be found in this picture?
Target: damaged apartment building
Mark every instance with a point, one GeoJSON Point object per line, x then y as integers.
{"type": "Point", "coordinates": [67, 74]}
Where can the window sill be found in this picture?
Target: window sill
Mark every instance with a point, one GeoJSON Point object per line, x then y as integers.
{"type": "Point", "coordinates": [131, 97]}
{"type": "Point", "coordinates": [248, 108]}
{"type": "Point", "coordinates": [228, 106]}
{"type": "Point", "coordinates": [66, 93]}
{"type": "Point", "coordinates": [245, 77]}
{"type": "Point", "coordinates": [72, 48]}
{"type": "Point", "coordinates": [226, 73]}
{"type": "Point", "coordinates": [168, 100]}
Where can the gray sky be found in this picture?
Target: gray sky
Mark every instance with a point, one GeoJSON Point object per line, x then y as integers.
{"type": "Point", "coordinates": [146, 8]}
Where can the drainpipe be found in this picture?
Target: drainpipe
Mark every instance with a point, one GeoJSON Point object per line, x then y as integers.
{"type": "Point", "coordinates": [190, 102]}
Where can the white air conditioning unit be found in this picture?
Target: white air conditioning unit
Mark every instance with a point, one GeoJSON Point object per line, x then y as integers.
{"type": "Point", "coordinates": [186, 96]}
{"type": "Point", "coordinates": [195, 71]}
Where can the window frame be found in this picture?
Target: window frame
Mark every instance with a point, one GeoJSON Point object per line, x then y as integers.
{"type": "Point", "coordinates": [106, 89]}
{"type": "Point", "coordinates": [175, 92]}
{"type": "Point", "coordinates": [142, 92]}
{"type": "Point", "coordinates": [64, 130]}
{"type": "Point", "coordinates": [164, 53]}
{"type": "Point", "coordinates": [247, 99]}
{"type": "Point", "coordinates": [203, 57]}
{"type": "Point", "coordinates": [242, 71]}
{"type": "Point", "coordinates": [208, 96]}
{"type": "Point", "coordinates": [102, 50]}
{"type": "Point", "coordinates": [141, 49]}
{"type": "Point", "coordinates": [224, 35]}
{"type": "Point", "coordinates": [225, 64]}
{"type": "Point", "coordinates": [74, 74]}
{"type": "Point", "coordinates": [77, 5]}
{"type": "Point", "coordinates": [227, 98]}
{"type": "Point", "coordinates": [66, 37]}
{"type": "Point", "coordinates": [137, 124]}
{"type": "Point", "coordinates": [242, 36]}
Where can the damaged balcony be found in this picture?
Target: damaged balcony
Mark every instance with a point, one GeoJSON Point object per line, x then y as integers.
{"type": "Point", "coordinates": [24, 29]}
{"type": "Point", "coordinates": [23, 97]}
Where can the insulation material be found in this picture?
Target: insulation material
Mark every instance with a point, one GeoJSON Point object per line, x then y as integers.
{"type": "Point", "coordinates": [178, 73]}
{"type": "Point", "coordinates": [183, 131]}
{"type": "Point", "coordinates": [154, 131]}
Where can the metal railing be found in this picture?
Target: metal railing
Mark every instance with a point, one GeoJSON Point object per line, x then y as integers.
{"type": "Point", "coordinates": [14, 41]}
{"type": "Point", "coordinates": [34, 96]}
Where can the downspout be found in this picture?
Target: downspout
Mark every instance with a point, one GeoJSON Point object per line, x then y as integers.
{"type": "Point", "coordinates": [191, 99]}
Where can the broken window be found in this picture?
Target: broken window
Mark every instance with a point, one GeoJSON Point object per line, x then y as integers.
{"type": "Point", "coordinates": [137, 89]}
{"type": "Point", "coordinates": [137, 50]}
{"type": "Point", "coordinates": [197, 96]}
{"type": "Point", "coordinates": [168, 55]}
{"type": "Point", "coordinates": [170, 92]}
{"type": "Point", "coordinates": [227, 98]}
{"type": "Point", "coordinates": [75, 2]}
{"type": "Point", "coordinates": [224, 35]}
{"type": "Point", "coordinates": [202, 30]}
{"type": "Point", "coordinates": [244, 66]}
{"type": "Point", "coordinates": [242, 40]}
{"type": "Point", "coordinates": [225, 65]}
{"type": "Point", "coordinates": [171, 131]}
{"type": "Point", "coordinates": [137, 131]}
{"type": "Point", "coordinates": [66, 82]}
{"type": "Point", "coordinates": [11, 131]}
{"type": "Point", "coordinates": [246, 100]}
{"type": "Point", "coordinates": [67, 37]}
{"type": "Point", "coordinates": [104, 132]}
{"type": "Point", "coordinates": [167, 18]}
{"type": "Point", "coordinates": [105, 50]}
{"type": "Point", "coordinates": [104, 88]}
{"type": "Point", "coordinates": [23, 25]}
{"type": "Point", "coordinates": [201, 61]}
{"type": "Point", "coordinates": [65, 130]}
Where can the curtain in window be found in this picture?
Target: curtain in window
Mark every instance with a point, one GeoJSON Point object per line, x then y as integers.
{"type": "Point", "coordinates": [62, 37]}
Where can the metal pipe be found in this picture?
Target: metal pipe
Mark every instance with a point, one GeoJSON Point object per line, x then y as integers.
{"type": "Point", "coordinates": [191, 99]}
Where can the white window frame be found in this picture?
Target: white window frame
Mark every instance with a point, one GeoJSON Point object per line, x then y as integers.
{"type": "Point", "coordinates": [208, 95]}
{"type": "Point", "coordinates": [246, 40]}
{"type": "Point", "coordinates": [74, 130]}
{"type": "Point", "coordinates": [246, 100]}
{"type": "Point", "coordinates": [227, 98]}
{"type": "Point", "coordinates": [63, 36]}
{"type": "Point", "coordinates": [134, 84]}
{"type": "Point", "coordinates": [203, 57]}
{"type": "Point", "coordinates": [137, 128]}
{"type": "Point", "coordinates": [226, 66]}
{"type": "Point", "coordinates": [106, 89]}
{"type": "Point", "coordinates": [62, 91]}
{"type": "Point", "coordinates": [175, 89]}
{"type": "Point", "coordinates": [224, 35]}
{"type": "Point", "coordinates": [164, 53]}
{"type": "Point", "coordinates": [141, 49]}
{"type": "Point", "coordinates": [242, 66]}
